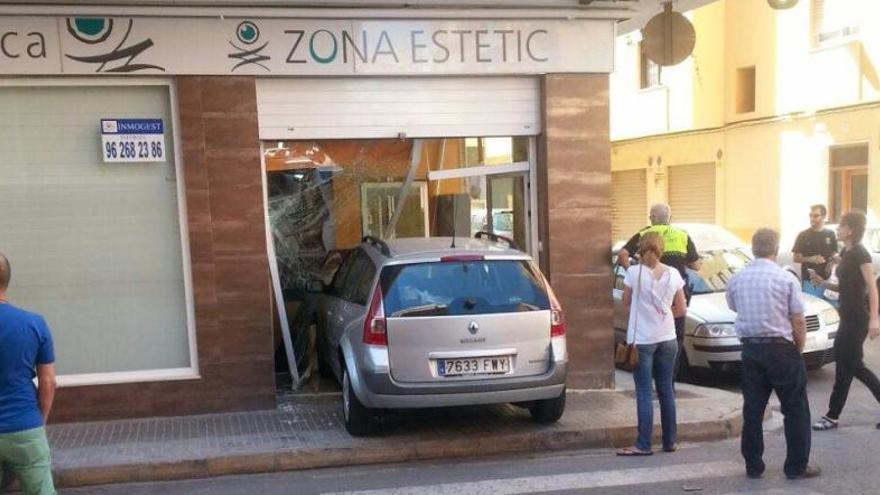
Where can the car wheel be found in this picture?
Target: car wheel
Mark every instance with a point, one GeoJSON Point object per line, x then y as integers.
{"type": "Point", "coordinates": [548, 410]}
{"type": "Point", "coordinates": [357, 417]}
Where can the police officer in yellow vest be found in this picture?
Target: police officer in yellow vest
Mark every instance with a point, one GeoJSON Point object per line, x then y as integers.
{"type": "Point", "coordinates": [679, 252]}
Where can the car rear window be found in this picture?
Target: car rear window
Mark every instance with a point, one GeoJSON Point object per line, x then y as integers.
{"type": "Point", "coordinates": [462, 288]}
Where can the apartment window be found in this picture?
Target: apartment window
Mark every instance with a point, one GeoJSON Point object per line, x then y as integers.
{"type": "Point", "coordinates": [832, 20]}
{"type": "Point", "coordinates": [745, 90]}
{"type": "Point", "coordinates": [848, 167]}
{"type": "Point", "coordinates": [649, 72]}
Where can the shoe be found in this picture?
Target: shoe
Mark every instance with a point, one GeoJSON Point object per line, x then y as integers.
{"type": "Point", "coordinates": [825, 424]}
{"type": "Point", "coordinates": [633, 452]}
{"type": "Point", "coordinates": [754, 475]}
{"type": "Point", "coordinates": [671, 448]}
{"type": "Point", "coordinates": [809, 472]}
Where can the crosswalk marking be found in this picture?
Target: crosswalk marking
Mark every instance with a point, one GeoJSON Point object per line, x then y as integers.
{"type": "Point", "coordinates": [779, 491]}
{"type": "Point", "coordinates": [568, 481]}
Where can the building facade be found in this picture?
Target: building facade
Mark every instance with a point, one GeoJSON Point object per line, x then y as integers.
{"type": "Point", "coordinates": [173, 175]}
{"type": "Point", "coordinates": [774, 111]}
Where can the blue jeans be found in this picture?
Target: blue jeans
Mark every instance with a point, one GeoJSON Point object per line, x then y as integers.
{"type": "Point", "coordinates": [656, 361]}
{"type": "Point", "coordinates": [779, 367]}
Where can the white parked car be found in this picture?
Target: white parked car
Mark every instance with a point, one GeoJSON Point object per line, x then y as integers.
{"type": "Point", "coordinates": [502, 222]}
{"type": "Point", "coordinates": [710, 341]}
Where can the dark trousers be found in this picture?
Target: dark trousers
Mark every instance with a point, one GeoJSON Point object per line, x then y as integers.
{"type": "Point", "coordinates": [779, 367]}
{"type": "Point", "coordinates": [848, 362]}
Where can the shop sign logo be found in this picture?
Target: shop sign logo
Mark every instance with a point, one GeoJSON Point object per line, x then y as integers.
{"type": "Point", "coordinates": [97, 32]}
{"type": "Point", "coordinates": [439, 46]}
{"type": "Point", "coordinates": [473, 327]}
{"type": "Point", "coordinates": [248, 34]}
{"type": "Point", "coordinates": [109, 127]}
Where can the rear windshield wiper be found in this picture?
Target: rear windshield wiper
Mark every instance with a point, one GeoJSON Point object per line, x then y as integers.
{"type": "Point", "coordinates": [427, 308]}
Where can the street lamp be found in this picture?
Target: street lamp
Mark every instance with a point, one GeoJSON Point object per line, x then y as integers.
{"type": "Point", "coordinates": [782, 4]}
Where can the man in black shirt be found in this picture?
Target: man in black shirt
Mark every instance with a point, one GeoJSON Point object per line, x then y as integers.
{"type": "Point", "coordinates": [814, 249]}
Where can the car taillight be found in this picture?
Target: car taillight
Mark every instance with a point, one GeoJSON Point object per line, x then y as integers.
{"type": "Point", "coordinates": [375, 331]}
{"type": "Point", "coordinates": [557, 315]}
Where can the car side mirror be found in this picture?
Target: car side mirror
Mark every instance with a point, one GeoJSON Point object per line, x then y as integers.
{"type": "Point", "coordinates": [315, 287]}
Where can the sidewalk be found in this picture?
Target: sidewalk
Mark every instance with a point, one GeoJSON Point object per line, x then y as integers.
{"type": "Point", "coordinates": [307, 432]}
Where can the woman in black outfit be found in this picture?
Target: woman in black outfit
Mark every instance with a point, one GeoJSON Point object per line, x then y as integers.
{"type": "Point", "coordinates": [858, 316]}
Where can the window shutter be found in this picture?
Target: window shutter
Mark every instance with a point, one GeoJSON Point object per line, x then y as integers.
{"type": "Point", "coordinates": [692, 193]}
{"type": "Point", "coordinates": [629, 203]}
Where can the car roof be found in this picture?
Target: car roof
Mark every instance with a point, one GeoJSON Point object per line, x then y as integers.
{"type": "Point", "coordinates": [709, 237]}
{"type": "Point", "coordinates": [416, 248]}
{"type": "Point", "coordinates": [706, 237]}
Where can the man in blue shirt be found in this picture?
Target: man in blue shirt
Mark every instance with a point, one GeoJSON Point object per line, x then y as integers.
{"type": "Point", "coordinates": [25, 352]}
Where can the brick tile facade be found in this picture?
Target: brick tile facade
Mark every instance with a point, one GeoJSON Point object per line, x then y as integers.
{"type": "Point", "coordinates": [576, 180]}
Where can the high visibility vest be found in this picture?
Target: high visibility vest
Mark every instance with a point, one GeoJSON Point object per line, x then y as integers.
{"type": "Point", "coordinates": [674, 240]}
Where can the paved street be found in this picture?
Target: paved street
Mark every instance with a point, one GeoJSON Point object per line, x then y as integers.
{"type": "Point", "coordinates": [712, 468]}
{"type": "Point", "coordinates": [704, 468]}
{"type": "Point", "coordinates": [861, 408]}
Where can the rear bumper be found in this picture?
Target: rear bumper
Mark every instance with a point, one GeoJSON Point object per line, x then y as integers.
{"type": "Point", "coordinates": [379, 390]}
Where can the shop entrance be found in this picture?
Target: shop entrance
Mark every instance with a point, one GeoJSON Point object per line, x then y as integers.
{"type": "Point", "coordinates": [324, 196]}
{"type": "Point", "coordinates": [379, 201]}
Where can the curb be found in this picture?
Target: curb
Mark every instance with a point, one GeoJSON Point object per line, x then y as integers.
{"type": "Point", "coordinates": [539, 441]}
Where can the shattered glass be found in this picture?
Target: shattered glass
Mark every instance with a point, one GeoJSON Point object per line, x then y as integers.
{"type": "Point", "coordinates": [325, 195]}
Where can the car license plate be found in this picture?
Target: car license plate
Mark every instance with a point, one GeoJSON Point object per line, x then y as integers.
{"type": "Point", "coordinates": [492, 365]}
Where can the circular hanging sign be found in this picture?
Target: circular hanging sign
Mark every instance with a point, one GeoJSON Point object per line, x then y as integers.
{"type": "Point", "coordinates": [668, 38]}
{"type": "Point", "coordinates": [782, 4]}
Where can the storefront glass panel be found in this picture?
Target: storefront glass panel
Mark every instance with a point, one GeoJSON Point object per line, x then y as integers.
{"type": "Point", "coordinates": [324, 196]}
{"type": "Point", "coordinates": [94, 246]}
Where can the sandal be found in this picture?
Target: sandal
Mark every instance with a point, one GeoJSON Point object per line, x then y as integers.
{"type": "Point", "coordinates": [825, 424]}
{"type": "Point", "coordinates": [633, 452]}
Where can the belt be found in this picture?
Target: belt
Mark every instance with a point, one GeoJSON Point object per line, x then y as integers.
{"type": "Point", "coordinates": [765, 340]}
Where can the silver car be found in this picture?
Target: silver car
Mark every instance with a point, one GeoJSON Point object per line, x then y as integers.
{"type": "Point", "coordinates": [710, 342]}
{"type": "Point", "coordinates": [417, 323]}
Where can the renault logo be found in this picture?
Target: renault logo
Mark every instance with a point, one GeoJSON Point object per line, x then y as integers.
{"type": "Point", "coordinates": [473, 328]}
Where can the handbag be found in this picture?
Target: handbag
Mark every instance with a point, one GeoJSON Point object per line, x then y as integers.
{"type": "Point", "coordinates": [626, 356]}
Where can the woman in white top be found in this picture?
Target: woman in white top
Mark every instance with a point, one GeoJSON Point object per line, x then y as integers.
{"type": "Point", "coordinates": [654, 293]}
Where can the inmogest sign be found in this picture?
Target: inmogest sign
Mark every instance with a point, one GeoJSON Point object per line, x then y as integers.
{"type": "Point", "coordinates": [154, 45]}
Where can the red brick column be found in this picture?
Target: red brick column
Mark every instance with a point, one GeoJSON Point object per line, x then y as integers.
{"type": "Point", "coordinates": [224, 182]}
{"type": "Point", "coordinates": [575, 164]}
